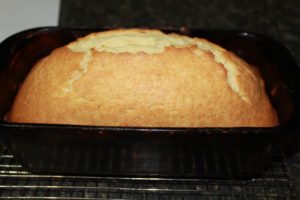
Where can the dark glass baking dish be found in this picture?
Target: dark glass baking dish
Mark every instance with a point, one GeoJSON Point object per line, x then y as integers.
{"type": "Point", "coordinates": [156, 151]}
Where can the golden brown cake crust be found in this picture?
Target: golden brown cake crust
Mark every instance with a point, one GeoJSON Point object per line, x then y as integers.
{"type": "Point", "coordinates": [109, 79]}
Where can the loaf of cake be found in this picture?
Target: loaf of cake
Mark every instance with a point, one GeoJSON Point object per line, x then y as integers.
{"type": "Point", "coordinates": [143, 78]}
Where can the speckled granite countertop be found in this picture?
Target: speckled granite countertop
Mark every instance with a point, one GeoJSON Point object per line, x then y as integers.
{"type": "Point", "coordinates": [275, 18]}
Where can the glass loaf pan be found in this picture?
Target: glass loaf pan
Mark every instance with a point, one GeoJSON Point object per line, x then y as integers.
{"type": "Point", "coordinates": [152, 152]}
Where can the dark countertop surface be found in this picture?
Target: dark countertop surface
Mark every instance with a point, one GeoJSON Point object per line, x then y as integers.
{"type": "Point", "coordinates": [275, 18]}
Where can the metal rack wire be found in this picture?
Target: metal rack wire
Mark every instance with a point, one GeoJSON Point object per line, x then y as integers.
{"type": "Point", "coordinates": [17, 183]}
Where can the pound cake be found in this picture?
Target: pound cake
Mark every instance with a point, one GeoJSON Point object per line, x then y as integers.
{"type": "Point", "coordinates": [143, 78]}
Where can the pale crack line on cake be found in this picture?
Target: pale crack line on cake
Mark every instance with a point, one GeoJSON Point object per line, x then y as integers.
{"type": "Point", "coordinates": [76, 75]}
{"type": "Point", "coordinates": [231, 75]}
{"type": "Point", "coordinates": [156, 42]}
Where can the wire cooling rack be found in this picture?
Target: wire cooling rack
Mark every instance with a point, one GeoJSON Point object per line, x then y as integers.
{"type": "Point", "coordinates": [17, 183]}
